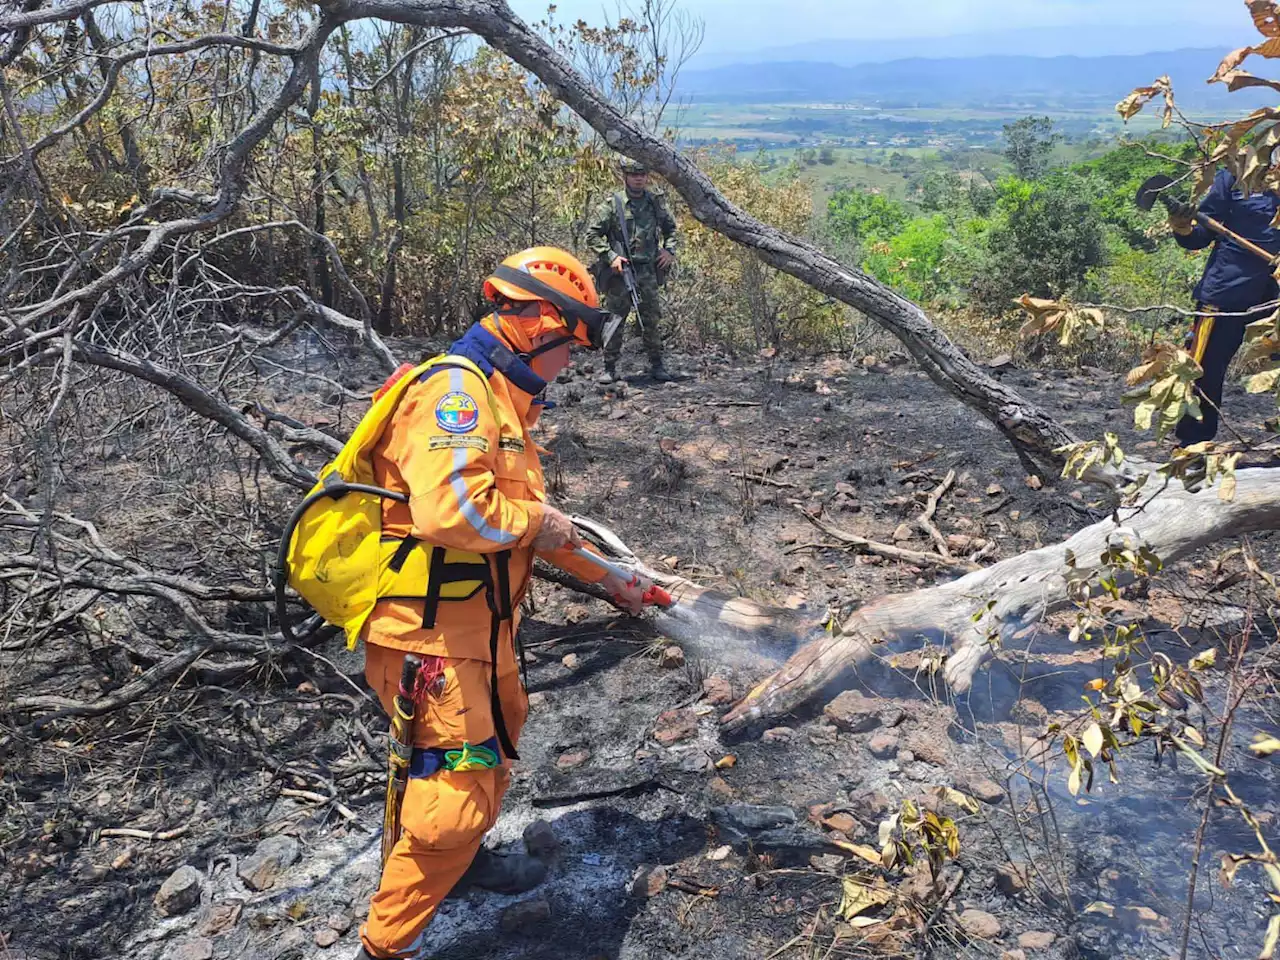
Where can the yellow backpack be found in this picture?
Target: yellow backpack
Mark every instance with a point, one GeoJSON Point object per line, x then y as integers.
{"type": "Point", "coordinates": [332, 550]}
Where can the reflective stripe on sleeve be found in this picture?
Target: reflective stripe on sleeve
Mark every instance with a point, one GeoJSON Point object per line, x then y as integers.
{"type": "Point", "coordinates": [459, 485]}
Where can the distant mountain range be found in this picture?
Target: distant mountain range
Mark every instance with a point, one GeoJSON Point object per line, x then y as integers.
{"type": "Point", "coordinates": [1065, 82]}
{"type": "Point", "coordinates": [1089, 40]}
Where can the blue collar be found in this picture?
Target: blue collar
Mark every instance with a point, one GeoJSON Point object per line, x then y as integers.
{"type": "Point", "coordinates": [489, 354]}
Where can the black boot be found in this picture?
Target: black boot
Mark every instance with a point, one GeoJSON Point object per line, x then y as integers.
{"type": "Point", "coordinates": [659, 372]}
{"type": "Point", "coordinates": [503, 873]}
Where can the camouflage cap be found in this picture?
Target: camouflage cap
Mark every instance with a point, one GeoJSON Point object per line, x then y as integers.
{"type": "Point", "coordinates": [628, 165]}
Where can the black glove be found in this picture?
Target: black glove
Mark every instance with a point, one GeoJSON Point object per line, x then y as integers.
{"type": "Point", "coordinates": [1181, 216]}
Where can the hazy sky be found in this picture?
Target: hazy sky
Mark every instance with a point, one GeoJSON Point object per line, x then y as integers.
{"type": "Point", "coordinates": [734, 25]}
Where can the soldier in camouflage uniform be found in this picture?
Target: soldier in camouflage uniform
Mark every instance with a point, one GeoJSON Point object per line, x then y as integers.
{"type": "Point", "coordinates": [652, 230]}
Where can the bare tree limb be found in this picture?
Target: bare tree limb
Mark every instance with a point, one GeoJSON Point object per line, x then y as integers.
{"type": "Point", "coordinates": [197, 399]}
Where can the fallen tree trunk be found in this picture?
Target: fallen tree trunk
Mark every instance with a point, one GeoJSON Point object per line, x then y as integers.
{"type": "Point", "coordinates": [1030, 428]}
{"type": "Point", "coordinates": [1172, 522]}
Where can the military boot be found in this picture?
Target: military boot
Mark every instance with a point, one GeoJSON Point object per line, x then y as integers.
{"type": "Point", "coordinates": [503, 873]}
{"type": "Point", "coordinates": [609, 374]}
{"type": "Point", "coordinates": [659, 372]}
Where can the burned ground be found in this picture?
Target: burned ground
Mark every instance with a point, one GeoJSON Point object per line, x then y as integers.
{"type": "Point", "coordinates": [622, 755]}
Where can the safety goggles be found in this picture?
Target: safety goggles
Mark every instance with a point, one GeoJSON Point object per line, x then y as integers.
{"type": "Point", "coordinates": [598, 325]}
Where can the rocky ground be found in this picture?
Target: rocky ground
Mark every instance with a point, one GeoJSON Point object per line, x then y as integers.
{"type": "Point", "coordinates": [256, 810]}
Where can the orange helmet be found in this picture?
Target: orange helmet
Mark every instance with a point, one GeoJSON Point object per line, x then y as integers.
{"type": "Point", "coordinates": [556, 277]}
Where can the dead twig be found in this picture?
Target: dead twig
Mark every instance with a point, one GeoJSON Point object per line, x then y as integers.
{"type": "Point", "coordinates": [134, 834]}
{"type": "Point", "coordinates": [320, 799]}
{"type": "Point", "coordinates": [885, 550]}
{"type": "Point", "coordinates": [925, 520]}
{"type": "Point", "coordinates": [765, 481]}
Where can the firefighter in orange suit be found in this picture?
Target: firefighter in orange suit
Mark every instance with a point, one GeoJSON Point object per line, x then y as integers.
{"type": "Point", "coordinates": [459, 447]}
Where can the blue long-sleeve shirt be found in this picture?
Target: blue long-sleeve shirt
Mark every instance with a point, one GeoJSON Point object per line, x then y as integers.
{"type": "Point", "coordinates": [1234, 279]}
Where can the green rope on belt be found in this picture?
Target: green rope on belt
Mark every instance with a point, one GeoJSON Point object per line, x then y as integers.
{"type": "Point", "coordinates": [470, 758]}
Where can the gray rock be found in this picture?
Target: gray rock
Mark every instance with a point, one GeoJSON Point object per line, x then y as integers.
{"type": "Point", "coordinates": [269, 861]}
{"type": "Point", "coordinates": [696, 762]}
{"type": "Point", "coordinates": [540, 840]}
{"type": "Point", "coordinates": [778, 735]}
{"type": "Point", "coordinates": [988, 791]}
{"type": "Point", "coordinates": [979, 925]}
{"type": "Point", "coordinates": [648, 881]}
{"type": "Point", "coordinates": [883, 745]}
{"type": "Point", "coordinates": [672, 658]}
{"type": "Point", "coordinates": [854, 713]}
{"type": "Point", "coordinates": [340, 921]}
{"type": "Point", "coordinates": [1036, 940]}
{"type": "Point", "coordinates": [746, 819]}
{"type": "Point", "coordinates": [179, 893]}
{"type": "Point", "coordinates": [327, 937]}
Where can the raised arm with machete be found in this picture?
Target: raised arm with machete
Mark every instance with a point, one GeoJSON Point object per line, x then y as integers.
{"type": "Point", "coordinates": [1156, 188]}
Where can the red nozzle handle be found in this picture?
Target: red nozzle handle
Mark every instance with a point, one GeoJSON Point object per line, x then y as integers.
{"type": "Point", "coordinates": [656, 595]}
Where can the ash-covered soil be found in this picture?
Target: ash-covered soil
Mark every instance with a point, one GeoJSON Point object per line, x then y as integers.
{"type": "Point", "coordinates": [674, 841]}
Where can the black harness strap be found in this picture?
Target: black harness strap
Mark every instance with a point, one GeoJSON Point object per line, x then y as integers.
{"type": "Point", "coordinates": [402, 553]}
{"type": "Point", "coordinates": [500, 607]}
{"type": "Point", "coordinates": [435, 577]}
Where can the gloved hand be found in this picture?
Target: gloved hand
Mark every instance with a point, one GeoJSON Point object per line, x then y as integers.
{"type": "Point", "coordinates": [629, 596]}
{"type": "Point", "coordinates": [1181, 217]}
{"type": "Point", "coordinates": [556, 531]}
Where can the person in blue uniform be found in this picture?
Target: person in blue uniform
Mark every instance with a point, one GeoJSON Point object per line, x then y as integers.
{"type": "Point", "coordinates": [1233, 291]}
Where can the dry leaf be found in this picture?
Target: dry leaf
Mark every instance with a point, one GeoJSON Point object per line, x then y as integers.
{"type": "Point", "coordinates": [859, 897]}
{"type": "Point", "coordinates": [1229, 63]}
{"type": "Point", "coordinates": [1266, 17]}
{"type": "Point", "coordinates": [1205, 659]}
{"type": "Point", "coordinates": [857, 849]}
{"type": "Point", "coordinates": [1264, 745]}
{"type": "Point", "coordinates": [1092, 739]}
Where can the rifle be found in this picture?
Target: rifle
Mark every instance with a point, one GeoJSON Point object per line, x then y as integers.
{"type": "Point", "coordinates": [628, 275]}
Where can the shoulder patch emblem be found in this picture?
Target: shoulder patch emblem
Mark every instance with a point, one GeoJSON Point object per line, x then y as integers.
{"type": "Point", "coordinates": [457, 413]}
{"type": "Point", "coordinates": [511, 444]}
{"type": "Point", "coordinates": [454, 443]}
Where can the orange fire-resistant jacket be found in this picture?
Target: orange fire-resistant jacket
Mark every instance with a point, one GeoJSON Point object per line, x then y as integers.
{"type": "Point", "coordinates": [471, 471]}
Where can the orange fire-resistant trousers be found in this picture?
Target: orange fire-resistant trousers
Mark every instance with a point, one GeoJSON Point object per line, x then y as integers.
{"type": "Point", "coordinates": [446, 815]}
